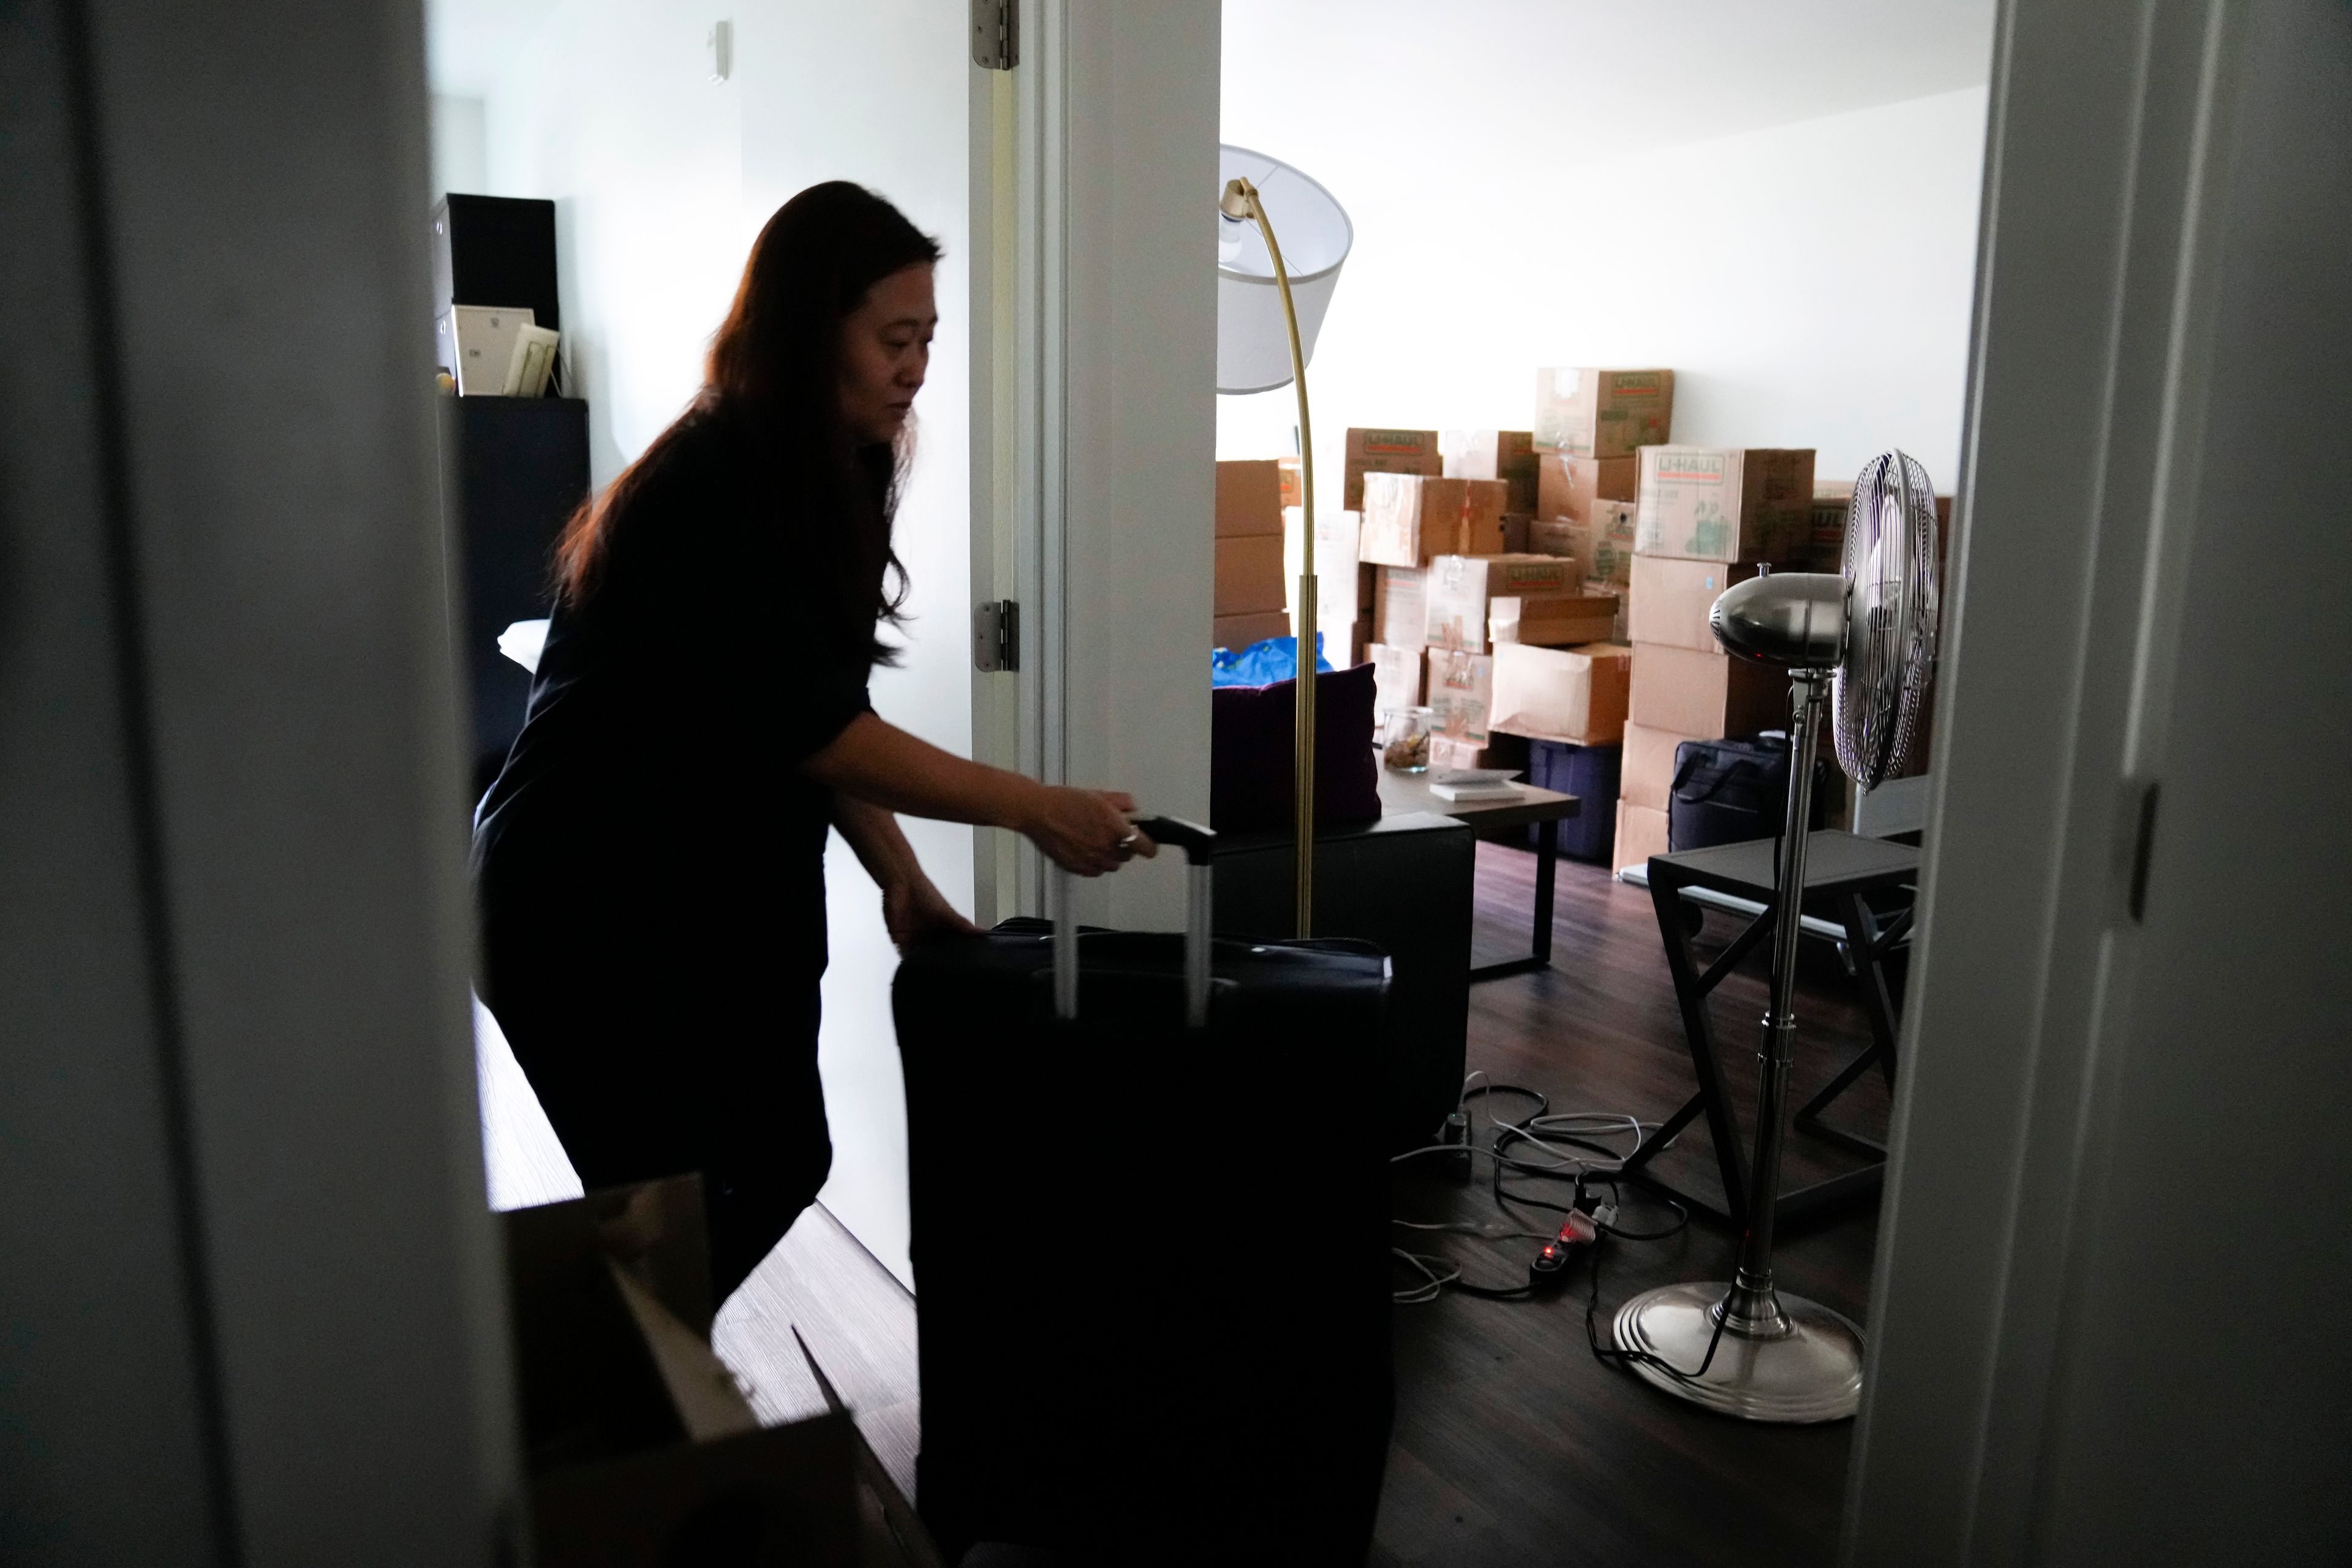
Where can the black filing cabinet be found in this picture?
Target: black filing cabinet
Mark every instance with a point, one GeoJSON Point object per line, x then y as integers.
{"type": "Point", "coordinates": [514, 469]}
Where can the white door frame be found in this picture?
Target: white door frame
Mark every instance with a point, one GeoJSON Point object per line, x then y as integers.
{"type": "Point", "coordinates": [1094, 420]}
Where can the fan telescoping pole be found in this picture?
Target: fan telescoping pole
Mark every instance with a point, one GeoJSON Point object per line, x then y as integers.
{"type": "Point", "coordinates": [1753, 1305]}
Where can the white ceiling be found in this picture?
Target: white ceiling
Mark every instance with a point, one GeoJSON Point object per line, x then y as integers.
{"type": "Point", "coordinates": [1558, 82]}
{"type": "Point", "coordinates": [468, 42]}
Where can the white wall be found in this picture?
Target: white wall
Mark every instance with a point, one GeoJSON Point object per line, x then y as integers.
{"type": "Point", "coordinates": [460, 152]}
{"type": "Point", "coordinates": [661, 178]}
{"type": "Point", "coordinates": [1809, 283]}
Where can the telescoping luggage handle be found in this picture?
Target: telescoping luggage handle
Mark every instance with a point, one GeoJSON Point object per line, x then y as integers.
{"type": "Point", "coordinates": [1198, 844]}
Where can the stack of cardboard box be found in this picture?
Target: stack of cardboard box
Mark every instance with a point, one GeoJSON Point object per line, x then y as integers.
{"type": "Point", "coordinates": [1249, 582]}
{"type": "Point", "coordinates": [1708, 517]}
{"type": "Point", "coordinates": [1484, 613]}
{"type": "Point", "coordinates": [1589, 426]}
{"type": "Point", "coordinates": [1411, 524]}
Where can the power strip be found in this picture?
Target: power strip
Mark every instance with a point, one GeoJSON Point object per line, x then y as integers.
{"type": "Point", "coordinates": [1578, 1232]}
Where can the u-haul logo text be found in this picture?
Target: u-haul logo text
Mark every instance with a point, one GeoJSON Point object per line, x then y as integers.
{"type": "Point", "coordinates": [1690, 470]}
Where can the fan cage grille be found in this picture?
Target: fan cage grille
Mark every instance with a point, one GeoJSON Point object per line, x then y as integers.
{"type": "Point", "coordinates": [1891, 604]}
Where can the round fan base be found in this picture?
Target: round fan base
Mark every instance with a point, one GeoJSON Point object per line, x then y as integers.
{"type": "Point", "coordinates": [1807, 1367]}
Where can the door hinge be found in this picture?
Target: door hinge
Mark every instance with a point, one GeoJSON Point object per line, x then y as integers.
{"type": "Point", "coordinates": [996, 636]}
{"type": "Point", "coordinates": [995, 33]}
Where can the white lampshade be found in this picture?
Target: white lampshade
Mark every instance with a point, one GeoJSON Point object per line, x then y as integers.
{"type": "Point", "coordinates": [1253, 343]}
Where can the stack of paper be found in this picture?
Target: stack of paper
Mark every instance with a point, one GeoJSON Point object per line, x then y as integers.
{"type": "Point", "coordinates": [1464, 785]}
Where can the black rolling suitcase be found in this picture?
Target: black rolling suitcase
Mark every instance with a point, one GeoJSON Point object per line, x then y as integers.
{"type": "Point", "coordinates": [1150, 1248]}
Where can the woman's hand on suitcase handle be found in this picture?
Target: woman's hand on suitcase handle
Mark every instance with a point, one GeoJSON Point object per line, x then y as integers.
{"type": "Point", "coordinates": [1085, 831]}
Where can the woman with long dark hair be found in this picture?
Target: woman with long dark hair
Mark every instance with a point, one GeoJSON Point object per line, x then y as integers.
{"type": "Point", "coordinates": [649, 864]}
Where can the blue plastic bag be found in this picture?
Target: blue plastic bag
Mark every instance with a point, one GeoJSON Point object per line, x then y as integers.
{"type": "Point", "coordinates": [1263, 663]}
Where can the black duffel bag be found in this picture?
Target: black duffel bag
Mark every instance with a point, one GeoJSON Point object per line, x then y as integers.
{"type": "Point", "coordinates": [1735, 790]}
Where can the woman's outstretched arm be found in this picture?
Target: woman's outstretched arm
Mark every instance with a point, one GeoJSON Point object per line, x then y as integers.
{"type": "Point", "coordinates": [912, 907]}
{"type": "Point", "coordinates": [1080, 830]}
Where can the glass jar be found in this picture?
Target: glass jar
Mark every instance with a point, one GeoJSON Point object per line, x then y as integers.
{"type": "Point", "coordinates": [1405, 740]}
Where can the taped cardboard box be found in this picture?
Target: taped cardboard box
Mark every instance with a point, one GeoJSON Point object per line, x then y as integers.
{"type": "Point", "coordinates": [1554, 536]}
{"type": "Point", "coordinates": [1461, 589]}
{"type": "Point", "coordinates": [1562, 694]}
{"type": "Point", "coordinates": [1515, 533]}
{"type": "Point", "coordinates": [1705, 694]}
{"type": "Point", "coordinates": [1646, 775]}
{"type": "Point", "coordinates": [1249, 499]}
{"type": "Point", "coordinates": [1249, 574]}
{"type": "Point", "coordinates": [1603, 413]}
{"type": "Point", "coordinates": [1607, 547]}
{"type": "Point", "coordinates": [1461, 694]}
{"type": "Point", "coordinates": [1294, 481]}
{"type": "Point", "coordinates": [1562, 620]}
{"type": "Point", "coordinates": [1401, 606]}
{"type": "Point", "coordinates": [1725, 503]}
{"type": "Point", "coordinates": [1396, 676]}
{"type": "Point", "coordinates": [1602, 546]}
{"type": "Point", "coordinates": [1410, 519]}
{"type": "Point", "coordinates": [1386, 452]}
{"type": "Point", "coordinates": [1641, 833]}
{"type": "Point", "coordinates": [1505, 455]}
{"type": "Point", "coordinates": [1671, 598]}
{"type": "Point", "coordinates": [1617, 593]}
{"type": "Point", "coordinates": [1567, 487]}
{"type": "Point", "coordinates": [1238, 632]}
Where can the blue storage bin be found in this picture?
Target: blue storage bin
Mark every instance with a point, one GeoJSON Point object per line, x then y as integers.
{"type": "Point", "coordinates": [1590, 773]}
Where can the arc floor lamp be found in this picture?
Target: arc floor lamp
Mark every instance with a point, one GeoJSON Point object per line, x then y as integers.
{"type": "Point", "coordinates": [1269, 308]}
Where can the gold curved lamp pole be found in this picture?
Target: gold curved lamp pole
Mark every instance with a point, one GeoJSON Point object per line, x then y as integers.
{"type": "Point", "coordinates": [1241, 203]}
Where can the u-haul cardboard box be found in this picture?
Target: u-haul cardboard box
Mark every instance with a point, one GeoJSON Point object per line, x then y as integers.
{"type": "Point", "coordinates": [1603, 413]}
{"type": "Point", "coordinates": [1384, 452]}
{"type": "Point", "coordinates": [1725, 503]}
{"type": "Point", "coordinates": [1462, 588]}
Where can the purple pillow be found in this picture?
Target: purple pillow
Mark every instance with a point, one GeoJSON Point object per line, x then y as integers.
{"type": "Point", "coordinates": [1251, 734]}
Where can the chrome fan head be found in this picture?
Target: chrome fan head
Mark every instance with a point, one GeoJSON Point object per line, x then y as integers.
{"type": "Point", "coordinates": [1891, 601]}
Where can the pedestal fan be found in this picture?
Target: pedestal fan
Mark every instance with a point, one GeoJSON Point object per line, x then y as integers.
{"type": "Point", "coordinates": [1864, 641]}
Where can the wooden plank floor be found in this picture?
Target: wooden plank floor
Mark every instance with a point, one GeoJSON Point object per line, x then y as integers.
{"type": "Point", "coordinates": [1513, 1445]}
